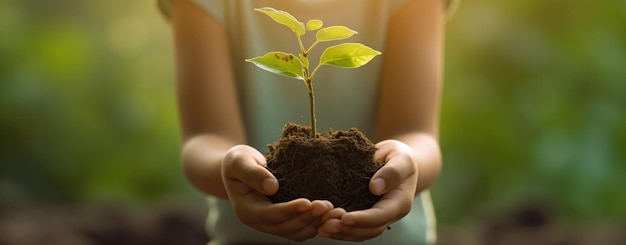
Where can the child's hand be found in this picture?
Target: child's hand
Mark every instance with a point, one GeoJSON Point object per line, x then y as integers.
{"type": "Point", "coordinates": [396, 181]}
{"type": "Point", "coordinates": [247, 183]}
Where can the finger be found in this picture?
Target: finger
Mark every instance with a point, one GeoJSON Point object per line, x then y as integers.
{"type": "Point", "coordinates": [391, 207]}
{"type": "Point", "coordinates": [320, 207]}
{"type": "Point", "coordinates": [298, 228]}
{"type": "Point", "coordinates": [331, 222]}
{"type": "Point", "coordinates": [399, 165]}
{"type": "Point", "coordinates": [334, 228]}
{"type": "Point", "coordinates": [353, 234]}
{"type": "Point", "coordinates": [335, 213]}
{"type": "Point", "coordinates": [244, 164]}
{"type": "Point", "coordinates": [304, 234]}
{"type": "Point", "coordinates": [329, 227]}
{"type": "Point", "coordinates": [267, 213]}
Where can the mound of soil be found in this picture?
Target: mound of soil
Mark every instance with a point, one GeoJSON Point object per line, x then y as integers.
{"type": "Point", "coordinates": [335, 166]}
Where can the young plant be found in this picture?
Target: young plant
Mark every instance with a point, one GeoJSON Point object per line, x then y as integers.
{"type": "Point", "coordinates": [346, 55]}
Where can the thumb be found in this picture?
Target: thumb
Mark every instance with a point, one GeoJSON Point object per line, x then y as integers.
{"type": "Point", "coordinates": [399, 165]}
{"type": "Point", "coordinates": [243, 169]}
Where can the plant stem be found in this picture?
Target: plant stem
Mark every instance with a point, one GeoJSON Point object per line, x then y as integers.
{"type": "Point", "coordinates": [309, 50]}
{"type": "Point", "coordinates": [309, 85]}
{"type": "Point", "coordinates": [308, 80]}
{"type": "Point", "coordinates": [304, 52]}
{"type": "Point", "coordinates": [315, 71]}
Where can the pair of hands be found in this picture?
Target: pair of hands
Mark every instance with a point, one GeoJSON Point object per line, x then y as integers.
{"type": "Point", "coordinates": [248, 183]}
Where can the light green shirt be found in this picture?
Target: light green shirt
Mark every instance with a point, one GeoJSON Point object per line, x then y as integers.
{"type": "Point", "coordinates": [345, 98]}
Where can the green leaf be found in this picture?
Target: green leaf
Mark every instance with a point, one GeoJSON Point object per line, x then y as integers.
{"type": "Point", "coordinates": [313, 25]}
{"type": "Point", "coordinates": [332, 33]}
{"type": "Point", "coordinates": [348, 55]}
{"type": "Point", "coordinates": [284, 18]}
{"type": "Point", "coordinates": [280, 63]}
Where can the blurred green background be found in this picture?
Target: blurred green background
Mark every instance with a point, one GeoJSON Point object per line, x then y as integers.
{"type": "Point", "coordinates": [534, 107]}
{"type": "Point", "coordinates": [86, 102]}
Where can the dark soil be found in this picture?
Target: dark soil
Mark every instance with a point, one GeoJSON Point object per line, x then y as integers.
{"type": "Point", "coordinates": [335, 166]}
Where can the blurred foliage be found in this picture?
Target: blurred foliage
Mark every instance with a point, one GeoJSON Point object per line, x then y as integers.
{"type": "Point", "coordinates": [533, 106]}
{"type": "Point", "coordinates": [86, 102]}
{"type": "Point", "coordinates": [534, 109]}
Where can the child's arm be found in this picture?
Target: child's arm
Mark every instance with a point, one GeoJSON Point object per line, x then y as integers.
{"type": "Point", "coordinates": [207, 103]}
{"type": "Point", "coordinates": [407, 122]}
{"type": "Point", "coordinates": [214, 157]}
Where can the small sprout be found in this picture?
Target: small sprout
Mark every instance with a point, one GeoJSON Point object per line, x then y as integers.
{"type": "Point", "coordinates": [346, 55]}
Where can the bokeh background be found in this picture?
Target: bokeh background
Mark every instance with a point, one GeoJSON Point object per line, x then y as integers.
{"type": "Point", "coordinates": [533, 125]}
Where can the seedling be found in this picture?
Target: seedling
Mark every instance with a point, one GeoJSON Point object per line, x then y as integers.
{"type": "Point", "coordinates": [346, 55]}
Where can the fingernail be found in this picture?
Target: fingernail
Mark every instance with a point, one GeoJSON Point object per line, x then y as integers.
{"type": "Point", "coordinates": [379, 185]}
{"type": "Point", "coordinates": [267, 186]}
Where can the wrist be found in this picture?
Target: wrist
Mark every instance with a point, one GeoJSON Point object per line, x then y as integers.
{"type": "Point", "coordinates": [201, 159]}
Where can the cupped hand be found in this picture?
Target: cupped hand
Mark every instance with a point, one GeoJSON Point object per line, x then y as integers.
{"type": "Point", "coordinates": [247, 183]}
{"type": "Point", "coordinates": [396, 181]}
